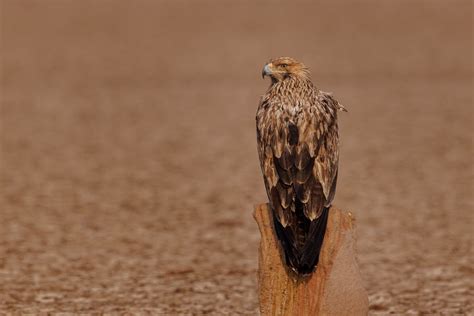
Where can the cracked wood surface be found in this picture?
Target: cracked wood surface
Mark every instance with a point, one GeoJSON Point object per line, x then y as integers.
{"type": "Point", "coordinates": [335, 288]}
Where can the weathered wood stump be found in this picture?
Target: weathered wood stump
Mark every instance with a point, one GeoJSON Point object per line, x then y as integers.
{"type": "Point", "coordinates": [335, 288]}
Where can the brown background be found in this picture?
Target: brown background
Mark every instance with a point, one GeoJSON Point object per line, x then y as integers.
{"type": "Point", "coordinates": [128, 154]}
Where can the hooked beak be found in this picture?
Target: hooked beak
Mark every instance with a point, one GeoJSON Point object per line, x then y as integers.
{"type": "Point", "coordinates": [266, 71]}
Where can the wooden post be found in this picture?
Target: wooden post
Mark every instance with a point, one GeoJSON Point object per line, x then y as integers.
{"type": "Point", "coordinates": [335, 288]}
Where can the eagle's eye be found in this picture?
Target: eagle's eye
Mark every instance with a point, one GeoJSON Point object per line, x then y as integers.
{"type": "Point", "coordinates": [283, 65]}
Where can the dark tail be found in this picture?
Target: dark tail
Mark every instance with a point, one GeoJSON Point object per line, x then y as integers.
{"type": "Point", "coordinates": [303, 245]}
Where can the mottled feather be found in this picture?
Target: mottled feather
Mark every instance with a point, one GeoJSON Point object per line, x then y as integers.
{"type": "Point", "coordinates": [297, 135]}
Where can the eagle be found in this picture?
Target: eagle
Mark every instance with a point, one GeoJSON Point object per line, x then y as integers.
{"type": "Point", "coordinates": [298, 148]}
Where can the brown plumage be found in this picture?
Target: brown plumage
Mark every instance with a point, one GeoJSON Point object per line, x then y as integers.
{"type": "Point", "coordinates": [298, 142]}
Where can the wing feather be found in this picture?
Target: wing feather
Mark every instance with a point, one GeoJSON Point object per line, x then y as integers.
{"type": "Point", "coordinates": [299, 157]}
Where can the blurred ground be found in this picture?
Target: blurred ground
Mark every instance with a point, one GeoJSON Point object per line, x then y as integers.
{"type": "Point", "coordinates": [128, 156]}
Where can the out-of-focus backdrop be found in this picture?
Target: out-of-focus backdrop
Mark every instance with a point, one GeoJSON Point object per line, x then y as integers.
{"type": "Point", "coordinates": [128, 155]}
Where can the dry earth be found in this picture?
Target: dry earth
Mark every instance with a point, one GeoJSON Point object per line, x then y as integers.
{"type": "Point", "coordinates": [128, 160]}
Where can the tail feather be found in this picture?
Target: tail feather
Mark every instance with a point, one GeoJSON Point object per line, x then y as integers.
{"type": "Point", "coordinates": [302, 256]}
{"type": "Point", "coordinates": [311, 250]}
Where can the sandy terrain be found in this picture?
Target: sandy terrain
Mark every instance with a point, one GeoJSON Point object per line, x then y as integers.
{"type": "Point", "coordinates": [128, 159]}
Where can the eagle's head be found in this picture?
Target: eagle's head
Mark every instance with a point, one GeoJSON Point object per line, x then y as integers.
{"type": "Point", "coordinates": [280, 68]}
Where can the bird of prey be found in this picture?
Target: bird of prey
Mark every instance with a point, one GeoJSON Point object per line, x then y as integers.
{"type": "Point", "coordinates": [298, 141]}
